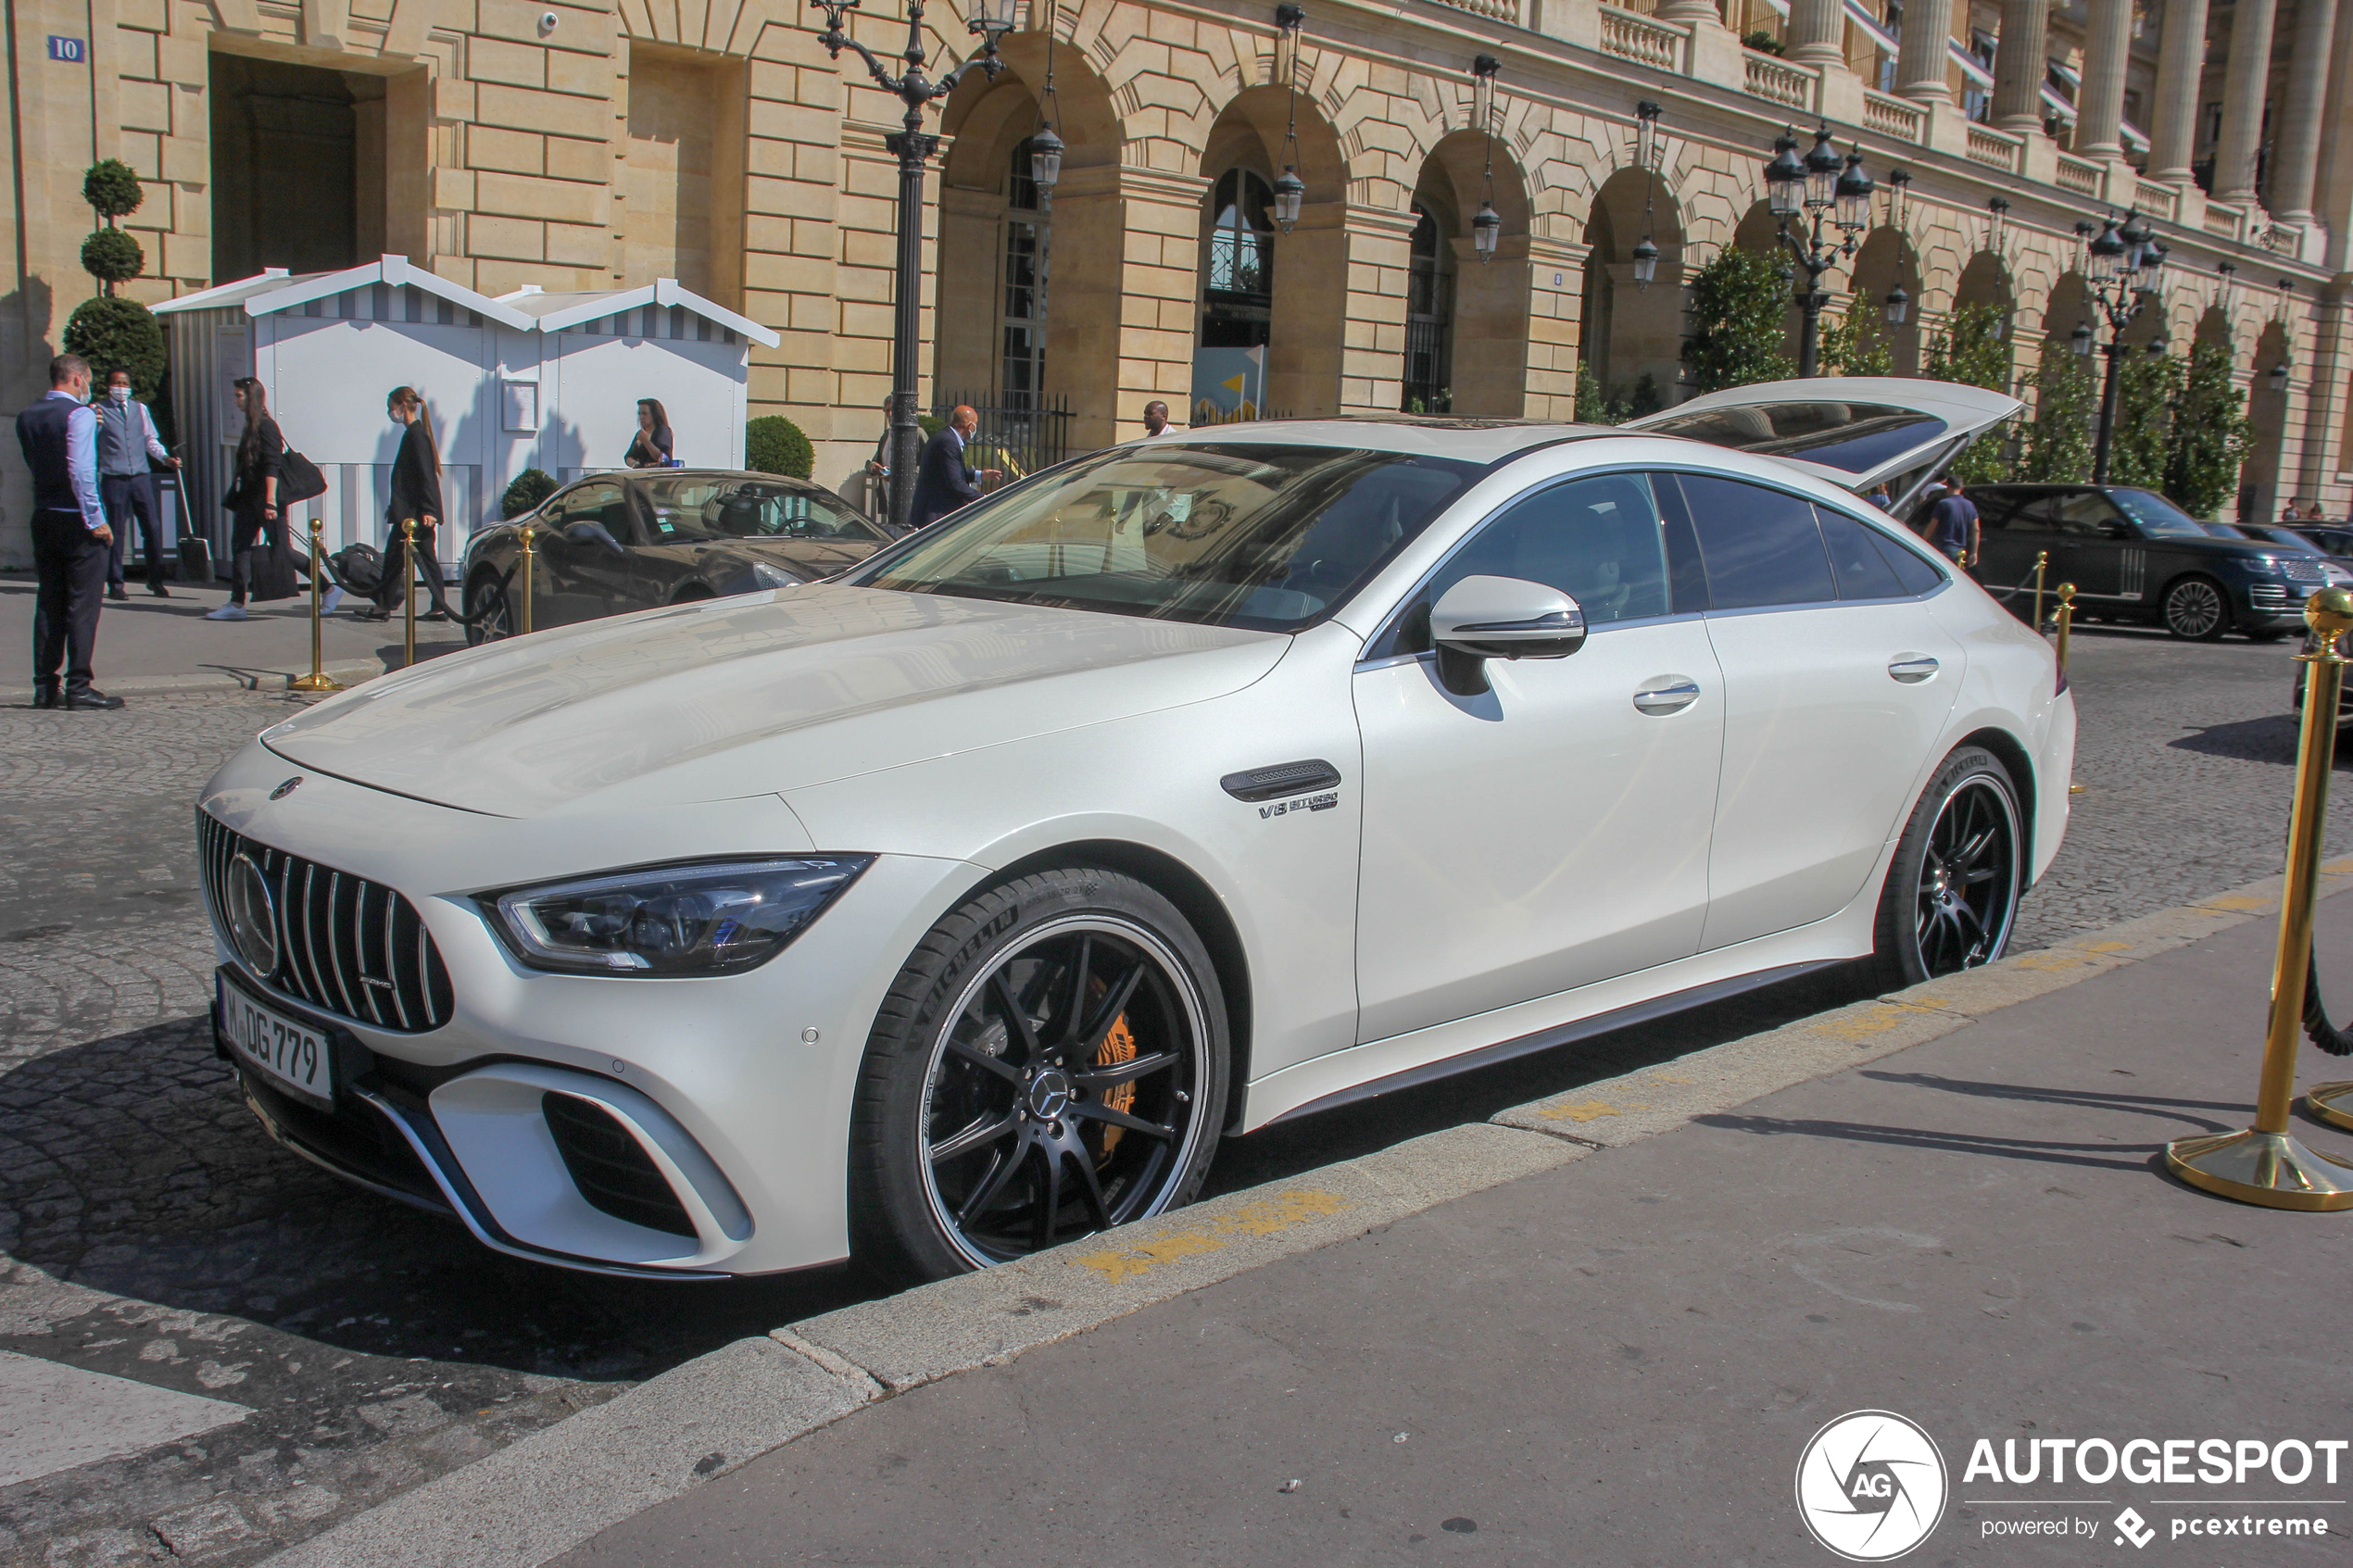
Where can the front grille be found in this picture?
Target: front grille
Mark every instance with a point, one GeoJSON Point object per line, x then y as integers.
{"type": "Point", "coordinates": [346, 944]}
{"type": "Point", "coordinates": [2266, 596]}
{"type": "Point", "coordinates": [2302, 569]}
{"type": "Point", "coordinates": [611, 1167]}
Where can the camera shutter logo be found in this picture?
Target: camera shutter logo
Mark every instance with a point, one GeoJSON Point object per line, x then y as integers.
{"type": "Point", "coordinates": [1870, 1485]}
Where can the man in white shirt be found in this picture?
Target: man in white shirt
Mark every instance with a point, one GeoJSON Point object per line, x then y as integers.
{"type": "Point", "coordinates": [127, 446]}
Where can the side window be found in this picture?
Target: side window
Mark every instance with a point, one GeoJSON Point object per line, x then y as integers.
{"type": "Point", "coordinates": [1869, 565]}
{"type": "Point", "coordinates": [599, 503]}
{"type": "Point", "coordinates": [1597, 540]}
{"type": "Point", "coordinates": [2086, 514]}
{"type": "Point", "coordinates": [1762, 546]}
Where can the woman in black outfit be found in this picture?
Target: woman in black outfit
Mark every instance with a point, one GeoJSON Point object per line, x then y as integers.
{"type": "Point", "coordinates": [416, 493]}
{"type": "Point", "coordinates": [253, 498]}
{"type": "Point", "coordinates": [650, 447]}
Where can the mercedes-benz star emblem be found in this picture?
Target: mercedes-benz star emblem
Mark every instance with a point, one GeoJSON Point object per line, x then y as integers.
{"type": "Point", "coordinates": [253, 917]}
{"type": "Point", "coordinates": [287, 788]}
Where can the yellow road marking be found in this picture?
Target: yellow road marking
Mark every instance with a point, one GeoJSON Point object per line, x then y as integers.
{"type": "Point", "coordinates": [1263, 1218]}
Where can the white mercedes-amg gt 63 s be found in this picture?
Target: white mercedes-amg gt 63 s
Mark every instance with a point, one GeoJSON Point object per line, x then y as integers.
{"type": "Point", "coordinates": [957, 906]}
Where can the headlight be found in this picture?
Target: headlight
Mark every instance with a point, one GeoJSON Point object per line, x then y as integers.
{"type": "Point", "coordinates": [772, 576]}
{"type": "Point", "coordinates": [2261, 566]}
{"type": "Point", "coordinates": [711, 918]}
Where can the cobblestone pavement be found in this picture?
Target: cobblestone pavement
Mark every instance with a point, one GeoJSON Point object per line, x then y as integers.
{"type": "Point", "coordinates": [150, 1231]}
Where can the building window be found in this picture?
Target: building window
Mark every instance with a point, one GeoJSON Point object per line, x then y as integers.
{"type": "Point", "coordinates": [1430, 319]}
{"type": "Point", "coordinates": [1021, 365]}
{"type": "Point", "coordinates": [1238, 303]}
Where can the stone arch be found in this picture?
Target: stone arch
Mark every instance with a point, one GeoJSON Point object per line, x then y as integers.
{"type": "Point", "coordinates": [1480, 330]}
{"type": "Point", "coordinates": [1029, 283]}
{"type": "Point", "coordinates": [2261, 481]}
{"type": "Point", "coordinates": [1887, 261]}
{"type": "Point", "coordinates": [1305, 308]}
{"type": "Point", "coordinates": [2214, 327]}
{"type": "Point", "coordinates": [1630, 333]}
{"type": "Point", "coordinates": [1758, 229]}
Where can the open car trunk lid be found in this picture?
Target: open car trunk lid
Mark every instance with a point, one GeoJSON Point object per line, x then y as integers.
{"type": "Point", "coordinates": [1860, 431]}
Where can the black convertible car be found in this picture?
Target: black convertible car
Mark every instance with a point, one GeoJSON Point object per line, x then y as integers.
{"type": "Point", "coordinates": [618, 542]}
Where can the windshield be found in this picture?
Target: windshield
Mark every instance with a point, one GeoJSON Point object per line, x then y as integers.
{"type": "Point", "coordinates": [2288, 538]}
{"type": "Point", "coordinates": [714, 507]}
{"type": "Point", "coordinates": [2159, 517]}
{"type": "Point", "coordinates": [1856, 437]}
{"type": "Point", "coordinates": [1263, 537]}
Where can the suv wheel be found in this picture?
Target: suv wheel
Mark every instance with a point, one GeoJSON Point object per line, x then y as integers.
{"type": "Point", "coordinates": [2197, 610]}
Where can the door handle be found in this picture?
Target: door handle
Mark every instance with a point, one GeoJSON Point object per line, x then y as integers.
{"type": "Point", "coordinates": [1666, 693]}
{"type": "Point", "coordinates": [1912, 668]}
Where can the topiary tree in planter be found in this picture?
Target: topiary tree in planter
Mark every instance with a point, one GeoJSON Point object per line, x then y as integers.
{"type": "Point", "coordinates": [112, 332]}
{"type": "Point", "coordinates": [773, 444]}
{"type": "Point", "coordinates": [1739, 319]}
{"type": "Point", "coordinates": [531, 487]}
{"type": "Point", "coordinates": [2209, 439]}
{"type": "Point", "coordinates": [2147, 387]}
{"type": "Point", "coordinates": [2058, 444]}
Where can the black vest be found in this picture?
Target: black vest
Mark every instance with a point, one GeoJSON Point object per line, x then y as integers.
{"type": "Point", "coordinates": [41, 430]}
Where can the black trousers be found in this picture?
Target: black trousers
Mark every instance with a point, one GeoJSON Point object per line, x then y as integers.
{"type": "Point", "coordinates": [70, 567]}
{"type": "Point", "coordinates": [243, 534]}
{"type": "Point", "coordinates": [397, 576]}
{"type": "Point", "coordinates": [127, 496]}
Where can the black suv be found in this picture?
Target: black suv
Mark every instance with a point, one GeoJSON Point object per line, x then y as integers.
{"type": "Point", "coordinates": [2135, 555]}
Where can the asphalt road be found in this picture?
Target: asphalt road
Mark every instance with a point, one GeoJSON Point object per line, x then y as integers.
{"type": "Point", "coordinates": [150, 1232]}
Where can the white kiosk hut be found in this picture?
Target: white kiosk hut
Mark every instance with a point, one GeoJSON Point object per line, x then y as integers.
{"type": "Point", "coordinates": [327, 347]}
{"type": "Point", "coordinates": [570, 400]}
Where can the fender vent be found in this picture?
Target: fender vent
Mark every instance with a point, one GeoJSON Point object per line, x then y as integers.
{"type": "Point", "coordinates": [1281, 779]}
{"type": "Point", "coordinates": [611, 1167]}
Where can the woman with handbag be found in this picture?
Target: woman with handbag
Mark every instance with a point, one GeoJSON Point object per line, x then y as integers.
{"type": "Point", "coordinates": [261, 567]}
{"type": "Point", "coordinates": [416, 496]}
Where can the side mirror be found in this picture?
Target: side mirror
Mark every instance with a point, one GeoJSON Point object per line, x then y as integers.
{"type": "Point", "coordinates": [592, 534]}
{"type": "Point", "coordinates": [1484, 618]}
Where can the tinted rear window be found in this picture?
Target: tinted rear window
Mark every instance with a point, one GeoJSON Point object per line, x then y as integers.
{"type": "Point", "coordinates": [1856, 437]}
{"type": "Point", "coordinates": [1761, 545]}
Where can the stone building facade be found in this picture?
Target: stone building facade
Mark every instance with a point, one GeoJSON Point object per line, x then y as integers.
{"type": "Point", "coordinates": [574, 146]}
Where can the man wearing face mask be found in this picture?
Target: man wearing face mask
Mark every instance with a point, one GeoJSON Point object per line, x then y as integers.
{"type": "Point", "coordinates": [127, 441]}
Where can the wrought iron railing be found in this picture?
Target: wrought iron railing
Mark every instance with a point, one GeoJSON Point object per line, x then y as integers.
{"type": "Point", "coordinates": [1019, 432]}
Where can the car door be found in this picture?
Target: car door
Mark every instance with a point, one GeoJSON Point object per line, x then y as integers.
{"type": "Point", "coordinates": [1553, 831]}
{"type": "Point", "coordinates": [587, 579]}
{"type": "Point", "coordinates": [2009, 537]}
{"type": "Point", "coordinates": [2097, 549]}
{"type": "Point", "coordinates": [1837, 681]}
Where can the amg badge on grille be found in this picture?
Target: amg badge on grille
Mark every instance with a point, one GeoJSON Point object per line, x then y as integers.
{"type": "Point", "coordinates": [287, 788]}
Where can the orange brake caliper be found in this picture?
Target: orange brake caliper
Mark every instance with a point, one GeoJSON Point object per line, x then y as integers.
{"type": "Point", "coordinates": [1119, 1045]}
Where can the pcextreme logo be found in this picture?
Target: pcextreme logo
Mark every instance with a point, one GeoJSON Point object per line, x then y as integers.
{"type": "Point", "coordinates": [1870, 1485]}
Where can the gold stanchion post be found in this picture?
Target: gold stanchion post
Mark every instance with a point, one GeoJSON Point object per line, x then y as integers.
{"type": "Point", "coordinates": [2041, 563]}
{"type": "Point", "coordinates": [2332, 1103]}
{"type": "Point", "coordinates": [317, 680]}
{"type": "Point", "coordinates": [2263, 1164]}
{"type": "Point", "coordinates": [525, 629]}
{"type": "Point", "coordinates": [2065, 617]}
{"type": "Point", "coordinates": [409, 591]}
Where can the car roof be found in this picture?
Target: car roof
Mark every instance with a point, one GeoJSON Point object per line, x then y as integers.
{"type": "Point", "coordinates": [1464, 439]}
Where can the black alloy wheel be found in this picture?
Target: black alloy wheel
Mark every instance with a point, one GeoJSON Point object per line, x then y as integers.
{"type": "Point", "coordinates": [2195, 609]}
{"type": "Point", "coordinates": [488, 619]}
{"type": "Point", "coordinates": [1953, 890]}
{"type": "Point", "coordinates": [1068, 1078]}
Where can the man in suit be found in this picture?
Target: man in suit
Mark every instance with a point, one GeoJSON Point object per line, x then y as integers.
{"type": "Point", "coordinates": [70, 539]}
{"type": "Point", "coordinates": [945, 481]}
{"type": "Point", "coordinates": [127, 446]}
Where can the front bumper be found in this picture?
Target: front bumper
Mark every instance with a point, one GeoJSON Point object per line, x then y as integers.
{"type": "Point", "coordinates": [736, 1089]}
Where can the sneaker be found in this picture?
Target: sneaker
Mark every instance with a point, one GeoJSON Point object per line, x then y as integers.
{"type": "Point", "coordinates": [334, 597]}
{"type": "Point", "coordinates": [227, 612]}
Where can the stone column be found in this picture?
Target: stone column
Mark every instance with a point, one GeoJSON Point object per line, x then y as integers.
{"type": "Point", "coordinates": [2020, 63]}
{"type": "Point", "coordinates": [1555, 309]}
{"type": "Point", "coordinates": [2107, 49]}
{"type": "Point", "coordinates": [2180, 67]}
{"type": "Point", "coordinates": [1692, 11]}
{"type": "Point", "coordinates": [2244, 82]}
{"type": "Point", "coordinates": [1923, 66]}
{"type": "Point", "coordinates": [1818, 32]}
{"type": "Point", "coordinates": [1126, 307]}
{"type": "Point", "coordinates": [2298, 153]}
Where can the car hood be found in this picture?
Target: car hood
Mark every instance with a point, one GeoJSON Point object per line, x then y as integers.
{"type": "Point", "coordinates": [751, 694]}
{"type": "Point", "coordinates": [805, 558]}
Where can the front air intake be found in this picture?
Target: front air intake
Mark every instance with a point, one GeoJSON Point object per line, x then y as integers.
{"type": "Point", "coordinates": [611, 1167]}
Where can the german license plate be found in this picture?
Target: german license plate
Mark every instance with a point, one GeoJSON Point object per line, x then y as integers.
{"type": "Point", "coordinates": [292, 1056]}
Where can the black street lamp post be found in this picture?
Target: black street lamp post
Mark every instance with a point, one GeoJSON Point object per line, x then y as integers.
{"type": "Point", "coordinates": [2123, 263]}
{"type": "Point", "coordinates": [992, 19]}
{"type": "Point", "coordinates": [1821, 188]}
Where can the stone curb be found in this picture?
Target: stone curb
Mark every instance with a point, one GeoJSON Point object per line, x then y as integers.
{"type": "Point", "coordinates": [351, 672]}
{"type": "Point", "coordinates": [536, 1498]}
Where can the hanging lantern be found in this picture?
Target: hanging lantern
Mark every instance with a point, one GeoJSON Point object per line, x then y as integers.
{"type": "Point", "coordinates": [1998, 214]}
{"type": "Point", "coordinates": [1646, 136]}
{"type": "Point", "coordinates": [2279, 376]}
{"type": "Point", "coordinates": [1785, 178]}
{"type": "Point", "coordinates": [2080, 339]}
{"type": "Point", "coordinates": [1290, 191]}
{"type": "Point", "coordinates": [1897, 305]}
{"type": "Point", "coordinates": [1487, 227]}
{"type": "Point", "coordinates": [1645, 262]}
{"type": "Point", "coordinates": [1899, 190]}
{"type": "Point", "coordinates": [1045, 158]}
{"type": "Point", "coordinates": [1822, 166]}
{"type": "Point", "coordinates": [1855, 190]}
